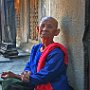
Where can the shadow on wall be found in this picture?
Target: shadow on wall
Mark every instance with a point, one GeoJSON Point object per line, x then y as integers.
{"type": "Point", "coordinates": [66, 25]}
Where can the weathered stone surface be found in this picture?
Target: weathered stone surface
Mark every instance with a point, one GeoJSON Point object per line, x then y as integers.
{"type": "Point", "coordinates": [71, 17]}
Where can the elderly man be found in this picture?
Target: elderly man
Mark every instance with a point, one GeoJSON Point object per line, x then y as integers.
{"type": "Point", "coordinates": [46, 69]}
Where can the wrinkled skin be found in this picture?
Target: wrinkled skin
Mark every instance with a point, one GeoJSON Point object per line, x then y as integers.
{"type": "Point", "coordinates": [24, 75]}
{"type": "Point", "coordinates": [47, 29]}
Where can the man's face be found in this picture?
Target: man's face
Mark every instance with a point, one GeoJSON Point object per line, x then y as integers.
{"type": "Point", "coordinates": [47, 28]}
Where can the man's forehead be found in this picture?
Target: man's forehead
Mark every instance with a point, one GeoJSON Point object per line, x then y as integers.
{"type": "Point", "coordinates": [49, 19]}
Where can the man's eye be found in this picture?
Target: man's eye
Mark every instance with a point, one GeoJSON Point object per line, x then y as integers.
{"type": "Point", "coordinates": [50, 26]}
{"type": "Point", "coordinates": [42, 25]}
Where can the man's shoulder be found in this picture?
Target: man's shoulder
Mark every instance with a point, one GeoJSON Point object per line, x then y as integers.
{"type": "Point", "coordinates": [36, 46]}
{"type": "Point", "coordinates": [56, 51]}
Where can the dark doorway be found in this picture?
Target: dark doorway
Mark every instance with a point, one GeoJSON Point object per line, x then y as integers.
{"type": "Point", "coordinates": [0, 29]}
{"type": "Point", "coordinates": [86, 43]}
{"type": "Point", "coordinates": [0, 25]}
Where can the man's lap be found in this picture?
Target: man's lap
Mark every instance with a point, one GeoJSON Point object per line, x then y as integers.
{"type": "Point", "coordinates": [15, 84]}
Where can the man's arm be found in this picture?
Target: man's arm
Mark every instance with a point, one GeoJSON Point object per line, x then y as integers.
{"type": "Point", "coordinates": [53, 68]}
{"type": "Point", "coordinates": [10, 74]}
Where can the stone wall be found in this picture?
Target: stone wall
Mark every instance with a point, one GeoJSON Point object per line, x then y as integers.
{"type": "Point", "coordinates": [70, 15]}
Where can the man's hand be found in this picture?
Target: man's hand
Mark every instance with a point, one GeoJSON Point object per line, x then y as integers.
{"type": "Point", "coordinates": [25, 76]}
{"type": "Point", "coordinates": [9, 74]}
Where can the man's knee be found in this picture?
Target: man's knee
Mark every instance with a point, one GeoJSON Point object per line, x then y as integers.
{"type": "Point", "coordinates": [15, 84]}
{"type": "Point", "coordinates": [8, 84]}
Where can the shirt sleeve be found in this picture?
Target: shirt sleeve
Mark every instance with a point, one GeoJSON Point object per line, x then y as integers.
{"type": "Point", "coordinates": [53, 68]}
{"type": "Point", "coordinates": [27, 67]}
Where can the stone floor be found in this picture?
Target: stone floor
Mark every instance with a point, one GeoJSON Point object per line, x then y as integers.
{"type": "Point", "coordinates": [15, 64]}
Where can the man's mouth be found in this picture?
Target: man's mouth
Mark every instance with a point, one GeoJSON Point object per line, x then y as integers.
{"type": "Point", "coordinates": [44, 32]}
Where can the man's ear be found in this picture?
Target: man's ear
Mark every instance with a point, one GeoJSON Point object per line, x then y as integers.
{"type": "Point", "coordinates": [57, 32]}
{"type": "Point", "coordinates": [37, 28]}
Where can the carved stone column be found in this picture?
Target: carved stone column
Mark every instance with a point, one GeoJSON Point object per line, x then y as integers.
{"type": "Point", "coordinates": [8, 45]}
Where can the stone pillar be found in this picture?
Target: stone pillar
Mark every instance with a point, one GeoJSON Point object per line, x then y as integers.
{"type": "Point", "coordinates": [8, 45]}
{"type": "Point", "coordinates": [70, 15]}
{"type": "Point", "coordinates": [9, 27]}
{"type": "Point", "coordinates": [2, 19]}
{"type": "Point", "coordinates": [26, 20]}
